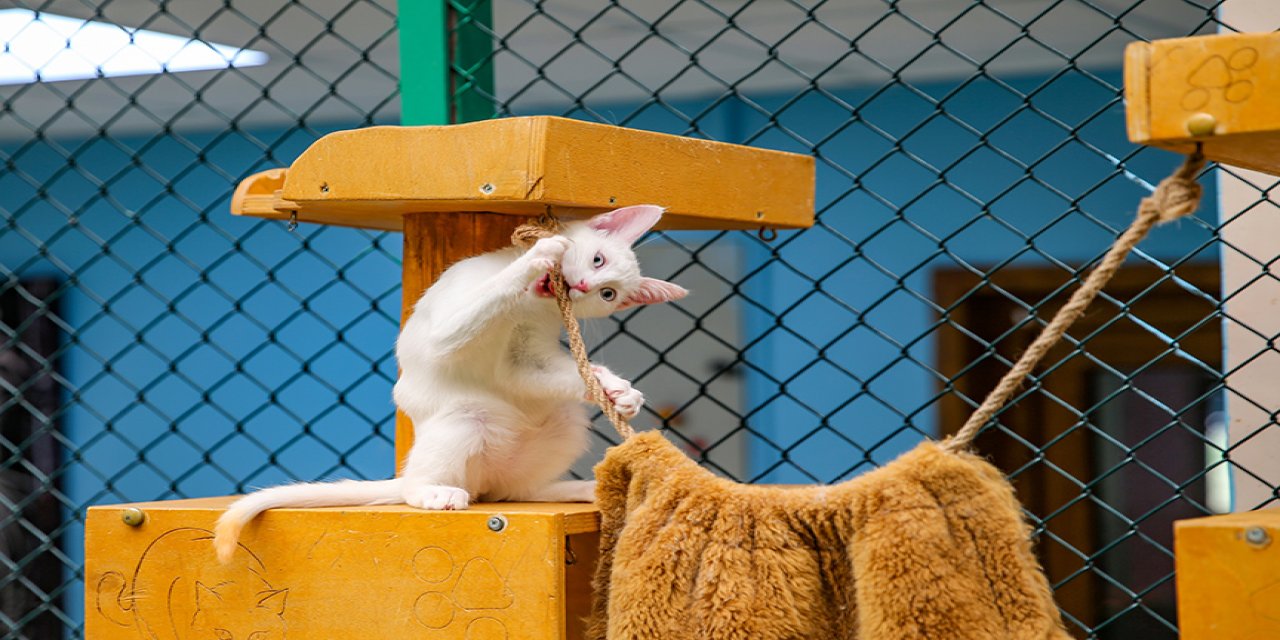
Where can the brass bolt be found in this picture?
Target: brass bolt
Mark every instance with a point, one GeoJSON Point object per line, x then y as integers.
{"type": "Point", "coordinates": [133, 516]}
{"type": "Point", "coordinates": [1201, 124]}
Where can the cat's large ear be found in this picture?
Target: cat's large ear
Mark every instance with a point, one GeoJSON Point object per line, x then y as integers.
{"type": "Point", "coordinates": [273, 600]}
{"type": "Point", "coordinates": [653, 291]}
{"type": "Point", "coordinates": [628, 223]}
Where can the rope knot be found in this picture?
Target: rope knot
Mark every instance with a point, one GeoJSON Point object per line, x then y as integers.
{"type": "Point", "coordinates": [1177, 195]}
{"type": "Point", "coordinates": [530, 232]}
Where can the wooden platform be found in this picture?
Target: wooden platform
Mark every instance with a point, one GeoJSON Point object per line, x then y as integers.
{"type": "Point", "coordinates": [371, 177]}
{"type": "Point", "coordinates": [1228, 570]}
{"type": "Point", "coordinates": [1222, 91]}
{"type": "Point", "coordinates": [354, 572]}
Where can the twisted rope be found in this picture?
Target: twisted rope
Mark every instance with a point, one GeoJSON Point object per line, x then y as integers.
{"type": "Point", "coordinates": [525, 236]}
{"type": "Point", "coordinates": [1176, 196]}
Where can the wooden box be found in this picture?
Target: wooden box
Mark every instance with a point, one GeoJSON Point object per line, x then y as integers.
{"type": "Point", "coordinates": [1228, 570]}
{"type": "Point", "coordinates": [496, 571]}
{"type": "Point", "coordinates": [1218, 91]}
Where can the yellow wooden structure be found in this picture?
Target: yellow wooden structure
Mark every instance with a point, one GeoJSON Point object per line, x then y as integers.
{"type": "Point", "coordinates": [1228, 570]}
{"type": "Point", "coordinates": [493, 572]}
{"type": "Point", "coordinates": [1220, 92]}
{"type": "Point", "coordinates": [1217, 91]}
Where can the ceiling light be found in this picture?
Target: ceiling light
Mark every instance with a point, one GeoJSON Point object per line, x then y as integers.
{"type": "Point", "coordinates": [43, 47]}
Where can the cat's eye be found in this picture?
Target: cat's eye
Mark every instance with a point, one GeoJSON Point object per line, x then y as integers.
{"type": "Point", "coordinates": [608, 294]}
{"type": "Point", "coordinates": [598, 262]}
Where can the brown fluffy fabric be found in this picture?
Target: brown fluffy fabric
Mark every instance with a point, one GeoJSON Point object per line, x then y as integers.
{"type": "Point", "coordinates": [931, 546]}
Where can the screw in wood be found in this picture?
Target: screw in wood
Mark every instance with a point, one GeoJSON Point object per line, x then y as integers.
{"type": "Point", "coordinates": [1257, 536]}
{"type": "Point", "coordinates": [497, 523]}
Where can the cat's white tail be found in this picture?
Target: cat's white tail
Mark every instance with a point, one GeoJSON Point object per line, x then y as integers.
{"type": "Point", "coordinates": [344, 493]}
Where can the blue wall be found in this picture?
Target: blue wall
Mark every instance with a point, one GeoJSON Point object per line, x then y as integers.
{"type": "Point", "coordinates": [886, 230]}
{"type": "Point", "coordinates": [245, 394]}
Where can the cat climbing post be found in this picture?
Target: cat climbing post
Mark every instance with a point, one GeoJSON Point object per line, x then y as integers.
{"type": "Point", "coordinates": [442, 185]}
{"type": "Point", "coordinates": [498, 570]}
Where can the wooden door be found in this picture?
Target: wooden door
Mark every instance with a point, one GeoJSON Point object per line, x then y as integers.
{"type": "Point", "coordinates": [1107, 447]}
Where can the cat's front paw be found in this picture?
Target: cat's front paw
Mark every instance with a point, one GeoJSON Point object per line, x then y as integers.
{"type": "Point", "coordinates": [547, 253]}
{"type": "Point", "coordinates": [625, 398]}
{"type": "Point", "coordinates": [436, 497]}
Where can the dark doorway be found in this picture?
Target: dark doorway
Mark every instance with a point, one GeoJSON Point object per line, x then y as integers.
{"type": "Point", "coordinates": [1112, 445]}
{"type": "Point", "coordinates": [30, 456]}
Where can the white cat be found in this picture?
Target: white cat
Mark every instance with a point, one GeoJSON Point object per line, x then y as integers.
{"type": "Point", "coordinates": [496, 402]}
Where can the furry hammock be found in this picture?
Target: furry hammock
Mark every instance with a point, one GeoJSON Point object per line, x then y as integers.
{"type": "Point", "coordinates": [932, 546]}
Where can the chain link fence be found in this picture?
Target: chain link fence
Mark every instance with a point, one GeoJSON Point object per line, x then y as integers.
{"type": "Point", "coordinates": [972, 164]}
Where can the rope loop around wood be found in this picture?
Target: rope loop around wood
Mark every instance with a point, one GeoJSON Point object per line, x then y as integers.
{"type": "Point", "coordinates": [1176, 196]}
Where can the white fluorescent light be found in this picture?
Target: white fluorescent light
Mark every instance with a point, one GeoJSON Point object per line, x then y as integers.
{"type": "Point", "coordinates": [43, 47]}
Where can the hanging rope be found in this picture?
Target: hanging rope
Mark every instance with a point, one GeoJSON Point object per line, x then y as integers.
{"type": "Point", "coordinates": [1176, 196]}
{"type": "Point", "coordinates": [525, 236]}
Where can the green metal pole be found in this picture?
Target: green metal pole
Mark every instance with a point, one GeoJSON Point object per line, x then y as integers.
{"type": "Point", "coordinates": [446, 61]}
{"type": "Point", "coordinates": [424, 62]}
{"type": "Point", "coordinates": [472, 72]}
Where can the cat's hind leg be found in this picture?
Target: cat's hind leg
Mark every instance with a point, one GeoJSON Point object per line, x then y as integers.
{"type": "Point", "coordinates": [435, 471]}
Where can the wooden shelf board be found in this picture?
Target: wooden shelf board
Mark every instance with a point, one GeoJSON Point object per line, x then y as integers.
{"type": "Point", "coordinates": [579, 517]}
{"type": "Point", "coordinates": [371, 177]}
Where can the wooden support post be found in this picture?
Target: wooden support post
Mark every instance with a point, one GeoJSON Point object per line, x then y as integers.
{"type": "Point", "coordinates": [1227, 567]}
{"type": "Point", "coordinates": [433, 242]}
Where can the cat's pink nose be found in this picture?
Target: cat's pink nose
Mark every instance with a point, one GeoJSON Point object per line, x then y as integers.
{"type": "Point", "coordinates": [582, 286]}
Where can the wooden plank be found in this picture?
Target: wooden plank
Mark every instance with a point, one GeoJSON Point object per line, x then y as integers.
{"type": "Point", "coordinates": [219, 503]}
{"type": "Point", "coordinates": [578, 576]}
{"type": "Point", "coordinates": [522, 166]}
{"type": "Point", "coordinates": [359, 572]}
{"type": "Point", "coordinates": [1228, 577]}
{"type": "Point", "coordinates": [1218, 91]}
{"type": "Point", "coordinates": [259, 195]}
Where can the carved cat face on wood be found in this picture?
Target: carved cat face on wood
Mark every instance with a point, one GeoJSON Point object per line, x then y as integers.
{"type": "Point", "coordinates": [238, 611]}
{"type": "Point", "coordinates": [172, 597]}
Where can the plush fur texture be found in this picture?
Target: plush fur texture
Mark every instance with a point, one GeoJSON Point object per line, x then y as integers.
{"type": "Point", "coordinates": [929, 547]}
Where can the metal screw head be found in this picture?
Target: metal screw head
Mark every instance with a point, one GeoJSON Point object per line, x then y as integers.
{"type": "Point", "coordinates": [1201, 124]}
{"type": "Point", "coordinates": [497, 523]}
{"type": "Point", "coordinates": [1257, 536]}
{"type": "Point", "coordinates": [486, 188]}
{"type": "Point", "coordinates": [132, 516]}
